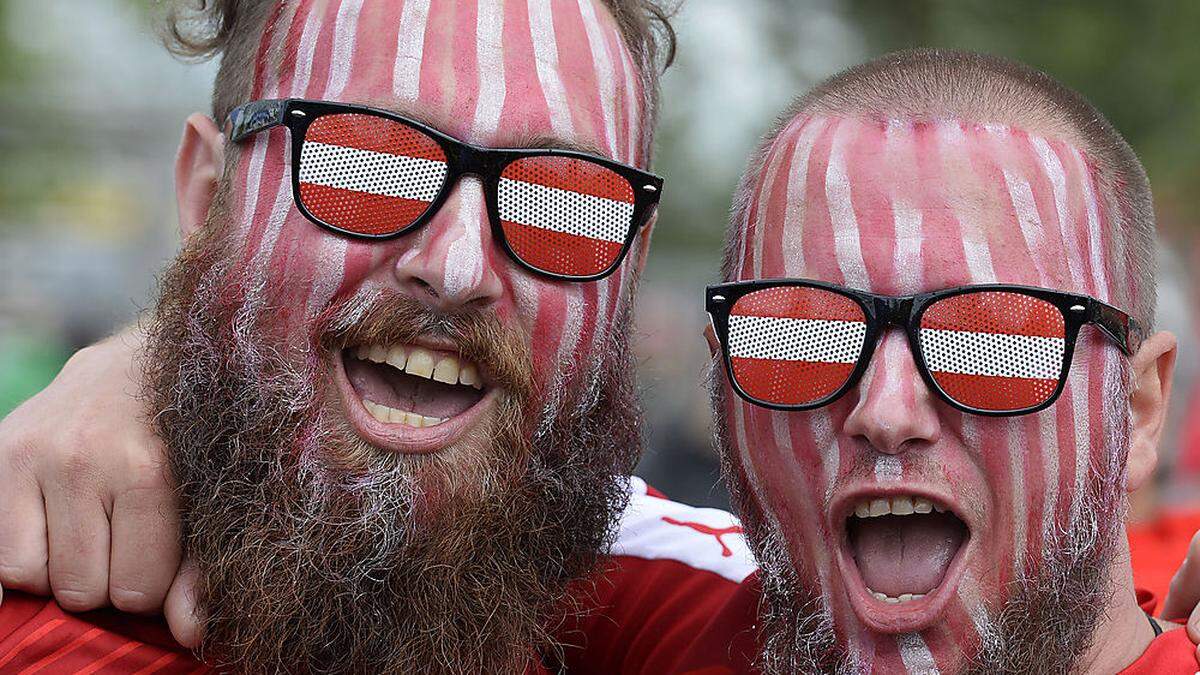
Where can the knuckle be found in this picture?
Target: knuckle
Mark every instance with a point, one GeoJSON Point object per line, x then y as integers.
{"type": "Point", "coordinates": [21, 454]}
{"type": "Point", "coordinates": [27, 573]}
{"type": "Point", "coordinates": [78, 467]}
{"type": "Point", "coordinates": [132, 600]}
{"type": "Point", "coordinates": [75, 597]}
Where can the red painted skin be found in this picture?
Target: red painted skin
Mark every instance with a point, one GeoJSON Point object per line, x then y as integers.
{"type": "Point", "coordinates": [492, 73]}
{"type": "Point", "coordinates": [901, 207]}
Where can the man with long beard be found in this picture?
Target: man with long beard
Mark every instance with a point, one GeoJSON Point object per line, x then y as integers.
{"type": "Point", "coordinates": [936, 375]}
{"type": "Point", "coordinates": [390, 366]}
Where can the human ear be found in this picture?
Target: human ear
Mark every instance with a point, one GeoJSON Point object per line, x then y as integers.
{"type": "Point", "coordinates": [198, 166]}
{"type": "Point", "coordinates": [1153, 366]}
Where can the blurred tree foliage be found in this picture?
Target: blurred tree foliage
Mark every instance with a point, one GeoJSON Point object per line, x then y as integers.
{"type": "Point", "coordinates": [1138, 62]}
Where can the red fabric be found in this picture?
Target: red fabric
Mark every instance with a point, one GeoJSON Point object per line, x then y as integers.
{"type": "Point", "coordinates": [1170, 653]}
{"type": "Point", "coordinates": [36, 636]}
{"type": "Point", "coordinates": [1157, 549]}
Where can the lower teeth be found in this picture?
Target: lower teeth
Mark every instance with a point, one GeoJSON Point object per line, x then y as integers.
{"type": "Point", "coordinates": [393, 416]}
{"type": "Point", "coordinates": [906, 597]}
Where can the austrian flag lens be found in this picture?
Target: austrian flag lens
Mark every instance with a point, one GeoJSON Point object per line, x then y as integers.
{"type": "Point", "coordinates": [794, 345]}
{"type": "Point", "coordinates": [367, 174]}
{"type": "Point", "coordinates": [992, 350]}
{"type": "Point", "coordinates": [564, 215]}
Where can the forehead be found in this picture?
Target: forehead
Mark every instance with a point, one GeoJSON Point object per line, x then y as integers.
{"type": "Point", "coordinates": [492, 72]}
{"type": "Point", "coordinates": [901, 206]}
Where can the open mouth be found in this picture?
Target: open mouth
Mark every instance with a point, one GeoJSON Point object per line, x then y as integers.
{"type": "Point", "coordinates": [411, 398]}
{"type": "Point", "coordinates": [903, 556]}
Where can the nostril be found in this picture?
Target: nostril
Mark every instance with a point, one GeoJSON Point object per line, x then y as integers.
{"type": "Point", "coordinates": [425, 286]}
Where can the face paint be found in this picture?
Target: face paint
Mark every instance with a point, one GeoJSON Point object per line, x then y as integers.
{"type": "Point", "coordinates": [517, 70]}
{"type": "Point", "coordinates": [901, 207]}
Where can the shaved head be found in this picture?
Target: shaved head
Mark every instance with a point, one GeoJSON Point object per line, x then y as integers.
{"type": "Point", "coordinates": [930, 85]}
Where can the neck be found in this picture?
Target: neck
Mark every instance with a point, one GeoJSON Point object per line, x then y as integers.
{"type": "Point", "coordinates": [1123, 633]}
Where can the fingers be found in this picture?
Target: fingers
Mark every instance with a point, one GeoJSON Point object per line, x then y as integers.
{"type": "Point", "coordinates": [23, 551]}
{"type": "Point", "coordinates": [78, 534]}
{"type": "Point", "coordinates": [180, 608]}
{"type": "Point", "coordinates": [1193, 625]}
{"type": "Point", "coordinates": [1184, 593]}
{"type": "Point", "coordinates": [145, 548]}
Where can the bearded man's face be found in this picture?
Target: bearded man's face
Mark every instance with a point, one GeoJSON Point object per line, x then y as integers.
{"type": "Point", "coordinates": [895, 532]}
{"type": "Point", "coordinates": [436, 533]}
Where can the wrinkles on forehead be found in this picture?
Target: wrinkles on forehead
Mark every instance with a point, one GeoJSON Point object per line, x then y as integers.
{"type": "Point", "coordinates": [903, 206]}
{"type": "Point", "coordinates": [499, 73]}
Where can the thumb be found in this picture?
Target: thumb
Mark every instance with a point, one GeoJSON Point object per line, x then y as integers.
{"type": "Point", "coordinates": [183, 616]}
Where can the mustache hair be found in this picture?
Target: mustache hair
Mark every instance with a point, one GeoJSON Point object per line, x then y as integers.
{"type": "Point", "coordinates": [318, 552]}
{"type": "Point", "coordinates": [1046, 623]}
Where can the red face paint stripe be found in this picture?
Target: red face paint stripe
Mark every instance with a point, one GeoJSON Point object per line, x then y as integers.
{"type": "Point", "coordinates": [819, 242]}
{"type": "Point", "coordinates": [864, 172]}
{"type": "Point", "coordinates": [527, 106]}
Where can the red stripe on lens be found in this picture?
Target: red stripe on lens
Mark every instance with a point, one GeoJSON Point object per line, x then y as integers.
{"type": "Point", "coordinates": [794, 345]}
{"type": "Point", "coordinates": [798, 303]}
{"type": "Point", "coordinates": [789, 382]}
{"type": "Point", "coordinates": [995, 312]}
{"type": "Point", "coordinates": [559, 252]}
{"type": "Point", "coordinates": [377, 134]}
{"type": "Point", "coordinates": [996, 393]}
{"type": "Point", "coordinates": [360, 212]}
{"type": "Point", "coordinates": [569, 173]}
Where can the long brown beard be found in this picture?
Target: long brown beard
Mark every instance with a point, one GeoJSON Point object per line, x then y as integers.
{"type": "Point", "coordinates": [319, 553]}
{"type": "Point", "coordinates": [1046, 623]}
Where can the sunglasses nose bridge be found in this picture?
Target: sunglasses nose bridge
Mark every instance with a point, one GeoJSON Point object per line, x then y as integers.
{"type": "Point", "coordinates": [892, 311]}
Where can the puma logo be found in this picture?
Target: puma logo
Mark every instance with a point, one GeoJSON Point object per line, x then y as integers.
{"type": "Point", "coordinates": [716, 532]}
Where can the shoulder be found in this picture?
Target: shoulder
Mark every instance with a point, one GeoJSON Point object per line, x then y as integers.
{"type": "Point", "coordinates": [36, 635]}
{"type": "Point", "coordinates": [653, 527]}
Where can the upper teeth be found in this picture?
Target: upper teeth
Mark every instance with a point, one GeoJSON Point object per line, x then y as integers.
{"type": "Point", "coordinates": [422, 363]}
{"type": "Point", "coordinates": [895, 506]}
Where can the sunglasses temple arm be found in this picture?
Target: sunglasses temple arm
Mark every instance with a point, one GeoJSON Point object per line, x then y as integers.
{"type": "Point", "coordinates": [1125, 331]}
{"type": "Point", "coordinates": [251, 118]}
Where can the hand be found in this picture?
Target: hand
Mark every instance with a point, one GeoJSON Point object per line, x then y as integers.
{"type": "Point", "coordinates": [87, 511]}
{"type": "Point", "coordinates": [1183, 597]}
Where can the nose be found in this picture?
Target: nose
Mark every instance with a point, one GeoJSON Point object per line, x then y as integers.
{"type": "Point", "coordinates": [895, 408]}
{"type": "Point", "coordinates": [453, 263]}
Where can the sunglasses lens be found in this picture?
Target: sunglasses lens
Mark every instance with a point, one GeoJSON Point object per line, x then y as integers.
{"type": "Point", "coordinates": [564, 215]}
{"type": "Point", "coordinates": [992, 350]}
{"type": "Point", "coordinates": [367, 174]}
{"type": "Point", "coordinates": [794, 345]}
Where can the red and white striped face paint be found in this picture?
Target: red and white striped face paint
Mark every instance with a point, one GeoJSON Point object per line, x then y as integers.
{"type": "Point", "coordinates": [497, 73]}
{"type": "Point", "coordinates": [855, 491]}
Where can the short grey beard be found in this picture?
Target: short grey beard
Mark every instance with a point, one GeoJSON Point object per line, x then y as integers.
{"type": "Point", "coordinates": [1047, 623]}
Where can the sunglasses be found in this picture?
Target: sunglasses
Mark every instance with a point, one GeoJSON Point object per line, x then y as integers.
{"type": "Point", "coordinates": [996, 349]}
{"type": "Point", "coordinates": [372, 174]}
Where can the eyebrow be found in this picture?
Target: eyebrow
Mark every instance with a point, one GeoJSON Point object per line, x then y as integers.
{"type": "Point", "coordinates": [522, 142]}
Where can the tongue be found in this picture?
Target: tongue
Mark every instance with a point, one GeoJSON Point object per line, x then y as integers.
{"type": "Point", "coordinates": [390, 387]}
{"type": "Point", "coordinates": [905, 554]}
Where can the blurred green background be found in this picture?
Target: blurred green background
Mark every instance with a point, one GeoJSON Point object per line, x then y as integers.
{"type": "Point", "coordinates": [91, 108]}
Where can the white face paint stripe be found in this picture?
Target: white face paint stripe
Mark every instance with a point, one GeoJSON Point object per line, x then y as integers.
{"type": "Point", "coordinates": [1094, 234]}
{"type": "Point", "coordinates": [1048, 427]}
{"type": "Point", "coordinates": [764, 203]}
{"type": "Point", "coordinates": [464, 256]}
{"type": "Point", "coordinates": [489, 53]}
{"type": "Point", "coordinates": [821, 425]}
{"type": "Point", "coordinates": [907, 221]}
{"type": "Point", "coordinates": [632, 100]}
{"type": "Point", "coordinates": [797, 196]}
{"type": "Point", "coordinates": [258, 158]}
{"type": "Point", "coordinates": [974, 240]}
{"type": "Point", "coordinates": [344, 33]}
{"type": "Point", "coordinates": [1017, 451]}
{"type": "Point", "coordinates": [817, 551]}
{"type": "Point", "coordinates": [1058, 184]}
{"type": "Point", "coordinates": [604, 72]}
{"type": "Point", "coordinates": [918, 660]}
{"type": "Point", "coordinates": [1077, 380]}
{"type": "Point", "coordinates": [968, 594]}
{"type": "Point", "coordinates": [572, 323]}
{"type": "Point", "coordinates": [888, 468]}
{"type": "Point", "coordinates": [331, 259]}
{"type": "Point", "coordinates": [1025, 207]}
{"type": "Point", "coordinates": [545, 51]}
{"type": "Point", "coordinates": [846, 243]}
{"type": "Point", "coordinates": [410, 49]}
{"type": "Point", "coordinates": [306, 52]}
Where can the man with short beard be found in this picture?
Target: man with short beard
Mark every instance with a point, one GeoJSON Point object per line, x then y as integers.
{"type": "Point", "coordinates": [390, 367]}
{"type": "Point", "coordinates": [935, 376]}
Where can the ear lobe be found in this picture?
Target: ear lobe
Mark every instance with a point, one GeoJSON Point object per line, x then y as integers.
{"type": "Point", "coordinates": [198, 167]}
{"type": "Point", "coordinates": [1153, 366]}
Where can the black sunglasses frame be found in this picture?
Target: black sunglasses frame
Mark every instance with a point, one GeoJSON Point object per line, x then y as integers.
{"type": "Point", "coordinates": [462, 159]}
{"type": "Point", "coordinates": [882, 311]}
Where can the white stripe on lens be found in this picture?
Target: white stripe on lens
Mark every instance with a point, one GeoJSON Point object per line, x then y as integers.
{"type": "Point", "coordinates": [376, 173]}
{"type": "Point", "coordinates": [992, 354]}
{"type": "Point", "coordinates": [787, 339]}
{"type": "Point", "coordinates": [564, 211]}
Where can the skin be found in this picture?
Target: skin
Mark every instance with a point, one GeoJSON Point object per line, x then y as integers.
{"type": "Point", "coordinates": [908, 207]}
{"type": "Point", "coordinates": [497, 74]}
